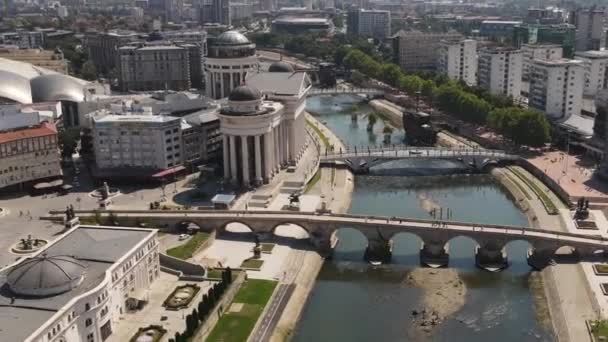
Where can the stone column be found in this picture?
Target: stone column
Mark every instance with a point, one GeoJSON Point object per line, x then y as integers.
{"type": "Point", "coordinates": [277, 154]}
{"type": "Point", "coordinates": [293, 141]}
{"type": "Point", "coordinates": [491, 257]}
{"type": "Point", "coordinates": [233, 165]}
{"type": "Point", "coordinates": [434, 253]}
{"type": "Point", "coordinates": [268, 172]}
{"type": "Point", "coordinates": [222, 95]}
{"type": "Point", "coordinates": [245, 156]}
{"type": "Point", "coordinates": [258, 160]}
{"type": "Point", "coordinates": [226, 157]}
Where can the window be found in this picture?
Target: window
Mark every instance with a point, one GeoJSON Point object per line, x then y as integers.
{"type": "Point", "coordinates": [90, 337]}
{"type": "Point", "coordinates": [88, 322]}
{"type": "Point", "coordinates": [87, 307]}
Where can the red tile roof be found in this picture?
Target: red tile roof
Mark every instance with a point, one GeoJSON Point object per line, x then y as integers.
{"type": "Point", "coordinates": [43, 130]}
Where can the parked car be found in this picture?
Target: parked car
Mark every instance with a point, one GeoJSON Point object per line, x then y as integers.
{"type": "Point", "coordinates": [183, 237]}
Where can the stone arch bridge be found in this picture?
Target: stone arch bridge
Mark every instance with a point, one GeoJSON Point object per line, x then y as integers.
{"type": "Point", "coordinates": [370, 92]}
{"type": "Point", "coordinates": [491, 239]}
{"type": "Point", "coordinates": [360, 160]}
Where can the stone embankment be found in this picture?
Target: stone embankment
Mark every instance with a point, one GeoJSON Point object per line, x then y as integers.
{"type": "Point", "coordinates": [335, 187]}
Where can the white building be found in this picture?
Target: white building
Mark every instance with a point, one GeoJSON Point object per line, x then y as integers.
{"type": "Point", "coordinates": [263, 125]}
{"type": "Point", "coordinates": [596, 70]}
{"type": "Point", "coordinates": [77, 287]}
{"type": "Point", "coordinates": [62, 12]}
{"type": "Point", "coordinates": [230, 57]}
{"type": "Point", "coordinates": [548, 52]}
{"type": "Point", "coordinates": [499, 71]}
{"type": "Point", "coordinates": [138, 142]}
{"type": "Point", "coordinates": [458, 60]}
{"type": "Point", "coordinates": [414, 50]}
{"type": "Point", "coordinates": [556, 87]}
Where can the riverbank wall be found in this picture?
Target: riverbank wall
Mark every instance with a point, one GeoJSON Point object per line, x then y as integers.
{"type": "Point", "coordinates": [341, 184]}
{"type": "Point", "coordinates": [389, 112]}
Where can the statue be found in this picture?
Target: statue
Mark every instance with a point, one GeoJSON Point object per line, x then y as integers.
{"type": "Point", "coordinates": [105, 191]}
{"type": "Point", "coordinates": [582, 209]}
{"type": "Point", "coordinates": [294, 198]}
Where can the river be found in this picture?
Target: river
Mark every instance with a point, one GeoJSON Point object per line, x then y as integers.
{"type": "Point", "coordinates": [353, 301]}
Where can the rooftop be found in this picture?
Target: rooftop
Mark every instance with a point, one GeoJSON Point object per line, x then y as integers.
{"type": "Point", "coordinates": [592, 54]}
{"type": "Point", "coordinates": [20, 317]}
{"type": "Point", "coordinates": [557, 62]}
{"type": "Point", "coordinates": [279, 83]}
{"type": "Point", "coordinates": [44, 130]}
{"type": "Point", "coordinates": [133, 118]}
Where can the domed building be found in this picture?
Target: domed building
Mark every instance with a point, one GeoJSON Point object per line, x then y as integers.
{"type": "Point", "coordinates": [230, 57]}
{"type": "Point", "coordinates": [252, 136]}
{"type": "Point", "coordinates": [280, 67]}
{"type": "Point", "coordinates": [45, 276]}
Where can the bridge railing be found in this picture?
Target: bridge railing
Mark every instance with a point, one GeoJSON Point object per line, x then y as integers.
{"type": "Point", "coordinates": [237, 214]}
{"type": "Point", "coordinates": [423, 152]}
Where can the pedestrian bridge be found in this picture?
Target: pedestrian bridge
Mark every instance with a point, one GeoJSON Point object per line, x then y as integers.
{"type": "Point", "coordinates": [379, 231]}
{"type": "Point", "coordinates": [338, 91]}
{"type": "Point", "coordinates": [360, 160]}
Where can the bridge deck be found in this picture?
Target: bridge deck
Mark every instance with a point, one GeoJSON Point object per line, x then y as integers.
{"type": "Point", "coordinates": [373, 221]}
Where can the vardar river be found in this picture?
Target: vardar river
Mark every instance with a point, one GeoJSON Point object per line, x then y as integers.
{"type": "Point", "coordinates": [353, 301]}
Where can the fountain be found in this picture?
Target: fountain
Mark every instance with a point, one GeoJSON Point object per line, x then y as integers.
{"type": "Point", "coordinates": [181, 297]}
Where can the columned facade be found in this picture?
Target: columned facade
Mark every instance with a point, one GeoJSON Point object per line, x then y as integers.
{"type": "Point", "coordinates": [252, 131]}
{"type": "Point", "coordinates": [230, 57]}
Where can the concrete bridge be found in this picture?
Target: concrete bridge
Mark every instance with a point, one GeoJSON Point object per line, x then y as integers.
{"type": "Point", "coordinates": [435, 236]}
{"type": "Point", "coordinates": [360, 160]}
{"type": "Point", "coordinates": [337, 91]}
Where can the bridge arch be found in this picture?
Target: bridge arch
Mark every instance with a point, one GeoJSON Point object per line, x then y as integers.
{"type": "Point", "coordinates": [189, 226]}
{"type": "Point", "coordinates": [291, 230]}
{"type": "Point", "coordinates": [235, 226]}
{"type": "Point", "coordinates": [406, 248]}
{"type": "Point", "coordinates": [461, 248]}
{"type": "Point", "coordinates": [351, 243]}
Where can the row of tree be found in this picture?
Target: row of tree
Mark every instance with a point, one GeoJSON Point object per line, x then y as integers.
{"type": "Point", "coordinates": [204, 308]}
{"type": "Point", "coordinates": [470, 104]}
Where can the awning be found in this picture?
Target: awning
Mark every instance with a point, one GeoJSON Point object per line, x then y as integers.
{"type": "Point", "coordinates": [223, 199]}
{"type": "Point", "coordinates": [170, 171]}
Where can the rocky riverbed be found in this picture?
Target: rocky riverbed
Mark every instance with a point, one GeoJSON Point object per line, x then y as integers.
{"type": "Point", "coordinates": [444, 294]}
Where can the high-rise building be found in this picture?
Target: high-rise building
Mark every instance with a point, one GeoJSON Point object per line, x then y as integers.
{"type": "Point", "coordinates": [215, 11]}
{"type": "Point", "coordinates": [103, 47]}
{"type": "Point", "coordinates": [369, 23]}
{"type": "Point", "coordinates": [154, 67]}
{"type": "Point", "coordinates": [230, 57]}
{"type": "Point", "coordinates": [458, 60]}
{"type": "Point", "coordinates": [419, 51]}
{"type": "Point", "coordinates": [556, 87]}
{"type": "Point", "coordinates": [499, 71]}
{"type": "Point", "coordinates": [241, 11]}
{"type": "Point", "coordinates": [590, 32]}
{"type": "Point", "coordinates": [562, 34]}
{"type": "Point", "coordinates": [539, 51]}
{"type": "Point", "coordinates": [23, 39]}
{"type": "Point", "coordinates": [595, 64]}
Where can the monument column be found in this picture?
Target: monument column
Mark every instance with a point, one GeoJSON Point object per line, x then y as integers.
{"type": "Point", "coordinates": [258, 160]}
{"type": "Point", "coordinates": [233, 171]}
{"type": "Point", "coordinates": [226, 157]}
{"type": "Point", "coordinates": [245, 157]}
{"type": "Point", "coordinates": [277, 154]}
{"type": "Point", "coordinates": [268, 155]}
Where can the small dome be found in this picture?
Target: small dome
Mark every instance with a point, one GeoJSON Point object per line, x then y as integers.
{"type": "Point", "coordinates": [280, 67]}
{"type": "Point", "coordinates": [231, 38]}
{"type": "Point", "coordinates": [245, 93]}
{"type": "Point", "coordinates": [45, 276]}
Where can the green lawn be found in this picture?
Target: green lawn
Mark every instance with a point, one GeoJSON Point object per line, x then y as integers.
{"type": "Point", "coordinates": [599, 329]}
{"type": "Point", "coordinates": [236, 326]}
{"type": "Point", "coordinates": [544, 198]}
{"type": "Point", "coordinates": [185, 251]}
{"type": "Point", "coordinates": [313, 181]}
{"type": "Point", "coordinates": [252, 263]}
{"type": "Point", "coordinates": [324, 139]}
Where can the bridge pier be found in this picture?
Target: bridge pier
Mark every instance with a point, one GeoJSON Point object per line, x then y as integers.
{"type": "Point", "coordinates": [540, 258]}
{"type": "Point", "coordinates": [379, 250]}
{"type": "Point", "coordinates": [491, 258]}
{"type": "Point", "coordinates": [324, 244]}
{"type": "Point", "coordinates": [434, 254]}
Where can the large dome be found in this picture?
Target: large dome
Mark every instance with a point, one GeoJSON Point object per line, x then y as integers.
{"type": "Point", "coordinates": [231, 38]}
{"type": "Point", "coordinates": [245, 93]}
{"type": "Point", "coordinates": [45, 275]}
{"type": "Point", "coordinates": [280, 67]}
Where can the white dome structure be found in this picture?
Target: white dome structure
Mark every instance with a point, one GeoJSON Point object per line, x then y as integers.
{"type": "Point", "coordinates": [46, 276]}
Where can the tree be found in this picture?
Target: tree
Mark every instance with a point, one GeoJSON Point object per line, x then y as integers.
{"type": "Point", "coordinates": [89, 71]}
{"type": "Point", "coordinates": [211, 294]}
{"type": "Point", "coordinates": [229, 272]}
{"type": "Point", "coordinates": [178, 337]}
{"type": "Point", "coordinates": [68, 140]}
{"type": "Point", "coordinates": [189, 326]}
{"type": "Point", "coordinates": [371, 121]}
{"type": "Point", "coordinates": [388, 130]}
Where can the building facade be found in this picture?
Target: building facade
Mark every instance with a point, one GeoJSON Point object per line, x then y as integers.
{"type": "Point", "coordinates": [595, 64]}
{"type": "Point", "coordinates": [556, 87]}
{"type": "Point", "coordinates": [23, 39]}
{"type": "Point", "coordinates": [136, 141]}
{"type": "Point", "coordinates": [498, 28]}
{"type": "Point", "coordinates": [231, 56]}
{"type": "Point", "coordinates": [78, 287]}
{"type": "Point", "coordinates": [539, 51]}
{"type": "Point", "coordinates": [154, 67]}
{"type": "Point", "coordinates": [51, 60]}
{"type": "Point", "coordinates": [419, 51]}
{"type": "Point", "coordinates": [500, 71]}
{"type": "Point", "coordinates": [103, 47]}
{"type": "Point", "coordinates": [369, 23]}
{"type": "Point", "coordinates": [458, 60]}
{"type": "Point", "coordinates": [29, 153]}
{"type": "Point", "coordinates": [562, 34]}
{"type": "Point", "coordinates": [590, 30]}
